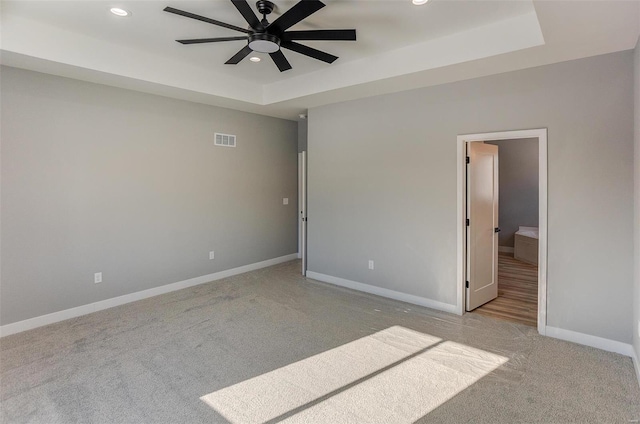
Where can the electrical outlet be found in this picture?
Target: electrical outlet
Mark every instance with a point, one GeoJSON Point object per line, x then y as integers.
{"type": "Point", "coordinates": [370, 264]}
{"type": "Point", "coordinates": [97, 278]}
{"type": "Point", "coordinates": [285, 200]}
{"type": "Point", "coordinates": [212, 255]}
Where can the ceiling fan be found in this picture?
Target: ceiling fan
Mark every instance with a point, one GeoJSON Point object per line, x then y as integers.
{"type": "Point", "coordinates": [265, 37]}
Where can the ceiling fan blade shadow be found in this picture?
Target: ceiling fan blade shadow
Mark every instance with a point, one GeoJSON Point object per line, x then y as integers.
{"type": "Point", "coordinates": [281, 62]}
{"type": "Point", "coordinates": [204, 19]}
{"type": "Point", "coordinates": [246, 12]}
{"type": "Point", "coordinates": [321, 34]}
{"type": "Point", "coordinates": [239, 56]}
{"type": "Point", "coordinates": [309, 51]}
{"type": "Point", "coordinates": [210, 40]}
{"type": "Point", "coordinates": [298, 12]}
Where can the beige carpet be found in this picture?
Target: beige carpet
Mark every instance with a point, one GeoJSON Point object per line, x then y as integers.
{"type": "Point", "coordinates": [270, 346]}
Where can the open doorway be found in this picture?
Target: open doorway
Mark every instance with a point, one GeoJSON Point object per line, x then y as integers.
{"type": "Point", "coordinates": [517, 235]}
{"type": "Point", "coordinates": [505, 260]}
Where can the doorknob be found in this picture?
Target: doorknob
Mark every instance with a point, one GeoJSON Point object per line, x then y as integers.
{"type": "Point", "coordinates": [497, 229]}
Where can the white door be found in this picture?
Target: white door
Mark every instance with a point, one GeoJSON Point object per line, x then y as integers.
{"type": "Point", "coordinates": [302, 208]}
{"type": "Point", "coordinates": [482, 224]}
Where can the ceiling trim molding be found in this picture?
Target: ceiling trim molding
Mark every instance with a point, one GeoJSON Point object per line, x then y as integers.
{"type": "Point", "coordinates": [477, 43]}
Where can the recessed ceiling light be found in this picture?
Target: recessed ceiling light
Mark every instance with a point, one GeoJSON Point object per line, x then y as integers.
{"type": "Point", "coordinates": [119, 12]}
{"type": "Point", "coordinates": [254, 59]}
{"type": "Point", "coordinates": [419, 2]}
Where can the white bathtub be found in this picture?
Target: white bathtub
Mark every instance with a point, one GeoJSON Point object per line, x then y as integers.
{"type": "Point", "coordinates": [526, 245]}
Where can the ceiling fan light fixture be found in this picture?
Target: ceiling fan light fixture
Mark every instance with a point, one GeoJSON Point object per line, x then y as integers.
{"type": "Point", "coordinates": [264, 43]}
{"type": "Point", "coordinates": [419, 2]}
{"type": "Point", "coordinates": [119, 12]}
{"type": "Point", "coordinates": [254, 59]}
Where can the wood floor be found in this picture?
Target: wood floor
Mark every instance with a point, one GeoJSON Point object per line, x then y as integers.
{"type": "Point", "coordinates": [517, 292]}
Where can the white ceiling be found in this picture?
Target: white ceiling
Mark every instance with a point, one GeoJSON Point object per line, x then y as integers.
{"type": "Point", "coordinates": [400, 46]}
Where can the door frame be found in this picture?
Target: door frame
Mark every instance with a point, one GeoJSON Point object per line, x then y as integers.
{"type": "Point", "coordinates": [302, 210]}
{"type": "Point", "coordinates": [541, 135]}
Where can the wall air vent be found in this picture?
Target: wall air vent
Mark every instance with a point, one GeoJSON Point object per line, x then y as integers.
{"type": "Point", "coordinates": [226, 140]}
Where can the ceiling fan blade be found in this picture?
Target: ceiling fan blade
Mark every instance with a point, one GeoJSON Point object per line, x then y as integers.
{"type": "Point", "coordinates": [210, 40]}
{"type": "Point", "coordinates": [204, 19]}
{"type": "Point", "coordinates": [309, 51]}
{"type": "Point", "coordinates": [281, 62]}
{"type": "Point", "coordinates": [239, 56]}
{"type": "Point", "coordinates": [246, 12]}
{"type": "Point", "coordinates": [298, 12]}
{"type": "Point", "coordinates": [321, 34]}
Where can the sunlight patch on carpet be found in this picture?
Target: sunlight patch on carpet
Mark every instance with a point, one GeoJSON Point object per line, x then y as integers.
{"type": "Point", "coordinates": [395, 375]}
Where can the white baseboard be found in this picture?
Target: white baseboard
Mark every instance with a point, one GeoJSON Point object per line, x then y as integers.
{"type": "Point", "coordinates": [589, 340]}
{"type": "Point", "coordinates": [54, 317]}
{"type": "Point", "coordinates": [506, 249]}
{"type": "Point", "coordinates": [379, 291]}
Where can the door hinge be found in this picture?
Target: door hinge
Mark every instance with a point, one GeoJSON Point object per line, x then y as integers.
{"type": "Point", "coordinates": [468, 159]}
{"type": "Point", "coordinates": [467, 284]}
{"type": "Point", "coordinates": [467, 222]}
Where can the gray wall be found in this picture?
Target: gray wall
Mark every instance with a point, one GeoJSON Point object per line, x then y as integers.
{"type": "Point", "coordinates": [636, 285]}
{"type": "Point", "coordinates": [383, 187]}
{"type": "Point", "coordinates": [302, 135]}
{"type": "Point", "coordinates": [518, 180]}
{"type": "Point", "coordinates": [100, 179]}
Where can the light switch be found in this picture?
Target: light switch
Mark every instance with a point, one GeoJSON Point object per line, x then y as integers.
{"type": "Point", "coordinates": [285, 200]}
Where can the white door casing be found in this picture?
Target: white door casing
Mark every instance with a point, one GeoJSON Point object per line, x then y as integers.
{"type": "Point", "coordinates": [461, 212]}
{"type": "Point", "coordinates": [482, 231]}
{"type": "Point", "coordinates": [302, 208]}
{"type": "Point", "coordinates": [299, 205]}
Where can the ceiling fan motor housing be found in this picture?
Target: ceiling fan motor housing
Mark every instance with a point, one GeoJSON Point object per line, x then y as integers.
{"type": "Point", "coordinates": [261, 41]}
